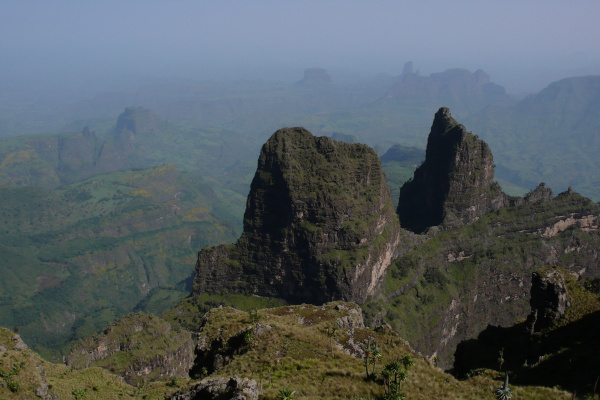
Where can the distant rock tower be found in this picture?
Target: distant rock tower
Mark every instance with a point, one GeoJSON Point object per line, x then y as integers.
{"type": "Point", "coordinates": [315, 77]}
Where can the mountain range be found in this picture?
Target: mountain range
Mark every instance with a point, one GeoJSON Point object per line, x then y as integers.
{"type": "Point", "coordinates": [97, 225]}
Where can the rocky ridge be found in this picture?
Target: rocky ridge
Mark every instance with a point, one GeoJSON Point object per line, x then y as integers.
{"type": "Point", "coordinates": [464, 91]}
{"type": "Point", "coordinates": [140, 348]}
{"type": "Point", "coordinates": [301, 352]}
{"type": "Point", "coordinates": [319, 225]}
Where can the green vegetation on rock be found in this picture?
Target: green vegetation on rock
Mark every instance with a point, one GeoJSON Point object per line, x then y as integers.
{"type": "Point", "coordinates": [319, 225]}
{"type": "Point", "coordinates": [139, 347]}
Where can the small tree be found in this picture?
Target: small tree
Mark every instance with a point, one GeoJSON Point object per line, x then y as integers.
{"type": "Point", "coordinates": [286, 393]}
{"type": "Point", "coordinates": [393, 375]}
{"type": "Point", "coordinates": [253, 316]}
{"type": "Point", "coordinates": [249, 339]}
{"type": "Point", "coordinates": [372, 355]}
{"type": "Point", "coordinates": [377, 355]}
{"type": "Point", "coordinates": [330, 330]}
{"type": "Point", "coordinates": [368, 352]}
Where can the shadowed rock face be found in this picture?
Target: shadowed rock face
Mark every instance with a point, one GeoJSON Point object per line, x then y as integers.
{"type": "Point", "coordinates": [455, 185]}
{"type": "Point", "coordinates": [319, 225]}
{"type": "Point", "coordinates": [549, 298]}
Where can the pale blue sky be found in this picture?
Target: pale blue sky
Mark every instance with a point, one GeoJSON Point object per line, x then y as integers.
{"type": "Point", "coordinates": [521, 44]}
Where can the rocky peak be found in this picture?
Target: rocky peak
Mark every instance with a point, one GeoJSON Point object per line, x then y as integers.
{"type": "Point", "coordinates": [137, 120]}
{"type": "Point", "coordinates": [455, 185]}
{"type": "Point", "coordinates": [319, 225]}
{"type": "Point", "coordinates": [408, 68]}
{"type": "Point", "coordinates": [540, 194]}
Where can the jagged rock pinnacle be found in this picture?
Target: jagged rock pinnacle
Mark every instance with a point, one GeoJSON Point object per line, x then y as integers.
{"type": "Point", "coordinates": [455, 185]}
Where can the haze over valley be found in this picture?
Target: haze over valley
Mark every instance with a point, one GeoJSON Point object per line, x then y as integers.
{"type": "Point", "coordinates": [423, 175]}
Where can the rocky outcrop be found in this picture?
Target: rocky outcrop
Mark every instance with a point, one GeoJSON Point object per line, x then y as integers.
{"type": "Point", "coordinates": [118, 150]}
{"type": "Point", "coordinates": [557, 299]}
{"type": "Point", "coordinates": [140, 348]}
{"type": "Point", "coordinates": [137, 120]}
{"type": "Point", "coordinates": [549, 299]}
{"type": "Point", "coordinates": [233, 388]}
{"type": "Point", "coordinates": [407, 68]}
{"type": "Point", "coordinates": [455, 185]}
{"type": "Point", "coordinates": [319, 225]}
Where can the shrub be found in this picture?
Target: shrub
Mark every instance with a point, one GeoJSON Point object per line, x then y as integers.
{"type": "Point", "coordinates": [286, 393]}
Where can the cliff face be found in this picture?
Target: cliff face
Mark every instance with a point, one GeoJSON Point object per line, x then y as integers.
{"type": "Point", "coordinates": [451, 286]}
{"type": "Point", "coordinates": [549, 299]}
{"type": "Point", "coordinates": [319, 225]}
{"type": "Point", "coordinates": [455, 185]}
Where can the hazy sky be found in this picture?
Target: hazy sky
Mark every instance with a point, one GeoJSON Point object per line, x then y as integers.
{"type": "Point", "coordinates": [521, 44]}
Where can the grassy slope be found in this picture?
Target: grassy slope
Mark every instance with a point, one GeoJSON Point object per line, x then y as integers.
{"type": "Point", "coordinates": [23, 372]}
{"type": "Point", "coordinates": [296, 353]}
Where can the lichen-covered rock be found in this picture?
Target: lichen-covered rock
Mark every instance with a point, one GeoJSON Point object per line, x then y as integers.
{"type": "Point", "coordinates": [455, 185]}
{"type": "Point", "coordinates": [140, 348]}
{"type": "Point", "coordinates": [319, 225]}
{"type": "Point", "coordinates": [19, 344]}
{"type": "Point", "coordinates": [353, 320]}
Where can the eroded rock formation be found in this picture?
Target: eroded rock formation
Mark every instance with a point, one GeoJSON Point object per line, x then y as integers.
{"type": "Point", "coordinates": [549, 299]}
{"type": "Point", "coordinates": [455, 185]}
{"type": "Point", "coordinates": [319, 225]}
